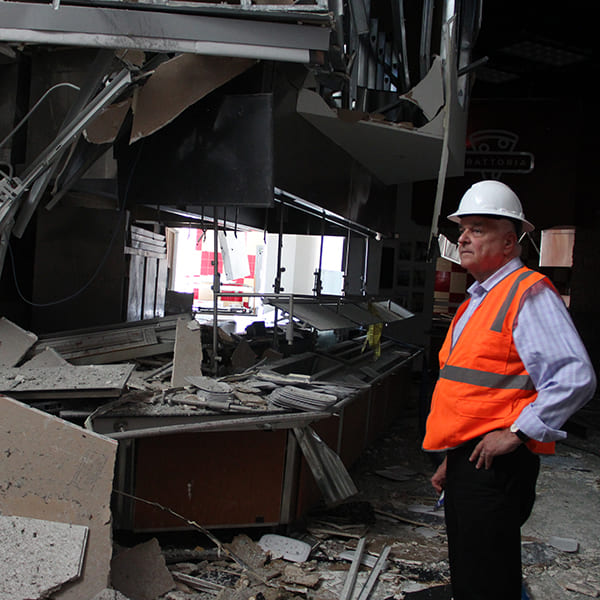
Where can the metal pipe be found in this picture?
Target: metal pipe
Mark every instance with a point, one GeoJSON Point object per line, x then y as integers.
{"type": "Point", "coordinates": [261, 422]}
{"type": "Point", "coordinates": [297, 203]}
{"type": "Point", "coordinates": [216, 291]}
{"type": "Point", "coordinates": [353, 572]}
{"type": "Point", "coordinates": [425, 44]}
{"type": "Point", "coordinates": [363, 286]}
{"type": "Point", "coordinates": [277, 284]}
{"type": "Point", "coordinates": [318, 281]}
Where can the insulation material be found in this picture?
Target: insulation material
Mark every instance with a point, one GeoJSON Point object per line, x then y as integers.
{"type": "Point", "coordinates": [177, 84]}
{"type": "Point", "coordinates": [105, 127]}
{"type": "Point", "coordinates": [38, 556]}
{"type": "Point", "coordinates": [57, 471]}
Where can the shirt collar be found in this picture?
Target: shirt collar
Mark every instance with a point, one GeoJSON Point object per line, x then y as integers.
{"type": "Point", "coordinates": [477, 289]}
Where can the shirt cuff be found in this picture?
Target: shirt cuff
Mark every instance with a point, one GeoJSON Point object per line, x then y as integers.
{"type": "Point", "coordinates": [530, 424]}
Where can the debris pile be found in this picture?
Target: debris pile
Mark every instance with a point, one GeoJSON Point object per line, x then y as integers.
{"type": "Point", "coordinates": [378, 534]}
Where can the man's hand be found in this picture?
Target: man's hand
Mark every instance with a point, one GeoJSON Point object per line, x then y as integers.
{"type": "Point", "coordinates": [438, 481]}
{"type": "Point", "coordinates": [494, 443]}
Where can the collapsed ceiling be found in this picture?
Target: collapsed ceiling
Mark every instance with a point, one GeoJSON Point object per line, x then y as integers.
{"type": "Point", "coordinates": [357, 97]}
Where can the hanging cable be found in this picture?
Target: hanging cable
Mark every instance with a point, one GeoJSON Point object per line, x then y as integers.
{"type": "Point", "coordinates": [100, 264]}
{"type": "Point", "coordinates": [24, 119]}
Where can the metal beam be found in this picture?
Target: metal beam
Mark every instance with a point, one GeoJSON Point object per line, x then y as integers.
{"type": "Point", "coordinates": [160, 31]}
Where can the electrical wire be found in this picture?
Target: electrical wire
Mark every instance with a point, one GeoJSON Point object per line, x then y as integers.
{"type": "Point", "coordinates": [9, 173]}
{"type": "Point", "coordinates": [34, 107]}
{"type": "Point", "coordinates": [100, 264]}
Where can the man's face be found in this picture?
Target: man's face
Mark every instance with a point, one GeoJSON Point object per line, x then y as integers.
{"type": "Point", "coordinates": [485, 245]}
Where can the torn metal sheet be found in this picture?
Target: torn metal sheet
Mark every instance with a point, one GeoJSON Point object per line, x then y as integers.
{"type": "Point", "coordinates": [39, 556]}
{"type": "Point", "coordinates": [57, 471]}
{"type": "Point", "coordinates": [177, 84]}
{"type": "Point", "coordinates": [329, 471]}
{"type": "Point", "coordinates": [389, 311]}
{"type": "Point", "coordinates": [354, 312]}
{"type": "Point", "coordinates": [316, 315]}
{"type": "Point", "coordinates": [406, 153]}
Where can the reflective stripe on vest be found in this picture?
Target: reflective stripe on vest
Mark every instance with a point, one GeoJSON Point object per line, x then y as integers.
{"type": "Point", "coordinates": [486, 379]}
{"type": "Point", "coordinates": [499, 320]}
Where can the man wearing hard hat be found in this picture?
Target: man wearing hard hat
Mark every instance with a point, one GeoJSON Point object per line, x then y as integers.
{"type": "Point", "coordinates": [513, 369]}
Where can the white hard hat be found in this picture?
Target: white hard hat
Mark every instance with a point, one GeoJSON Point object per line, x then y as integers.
{"type": "Point", "coordinates": [491, 197]}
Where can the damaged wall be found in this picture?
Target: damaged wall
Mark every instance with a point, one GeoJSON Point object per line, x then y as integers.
{"type": "Point", "coordinates": [79, 257]}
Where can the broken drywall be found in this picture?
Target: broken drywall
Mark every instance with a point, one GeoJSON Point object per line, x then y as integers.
{"type": "Point", "coordinates": [38, 556]}
{"type": "Point", "coordinates": [64, 381]}
{"type": "Point", "coordinates": [177, 84]}
{"type": "Point", "coordinates": [140, 572]}
{"type": "Point", "coordinates": [57, 471]}
{"type": "Point", "coordinates": [187, 359]}
{"type": "Point", "coordinates": [46, 358]}
{"type": "Point", "coordinates": [14, 342]}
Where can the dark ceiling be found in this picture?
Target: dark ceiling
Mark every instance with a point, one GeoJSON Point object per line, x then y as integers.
{"type": "Point", "coordinates": [537, 49]}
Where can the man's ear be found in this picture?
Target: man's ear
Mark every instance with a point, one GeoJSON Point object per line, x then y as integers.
{"type": "Point", "coordinates": [510, 241]}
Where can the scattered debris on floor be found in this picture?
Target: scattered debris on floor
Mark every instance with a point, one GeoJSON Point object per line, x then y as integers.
{"type": "Point", "coordinates": [378, 533]}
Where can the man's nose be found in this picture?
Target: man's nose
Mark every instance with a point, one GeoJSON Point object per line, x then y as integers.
{"type": "Point", "coordinates": [462, 237]}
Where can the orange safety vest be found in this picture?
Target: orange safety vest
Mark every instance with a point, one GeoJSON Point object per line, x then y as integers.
{"type": "Point", "coordinates": [483, 384]}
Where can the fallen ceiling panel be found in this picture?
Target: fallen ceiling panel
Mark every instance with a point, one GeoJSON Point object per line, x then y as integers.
{"type": "Point", "coordinates": [159, 31]}
{"type": "Point", "coordinates": [39, 556]}
{"type": "Point", "coordinates": [177, 84]}
{"type": "Point", "coordinates": [61, 473]}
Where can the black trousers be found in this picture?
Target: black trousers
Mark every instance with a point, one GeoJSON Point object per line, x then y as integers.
{"type": "Point", "coordinates": [484, 512]}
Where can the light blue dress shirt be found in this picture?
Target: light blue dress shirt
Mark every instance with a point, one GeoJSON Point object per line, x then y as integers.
{"type": "Point", "coordinates": [551, 350]}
